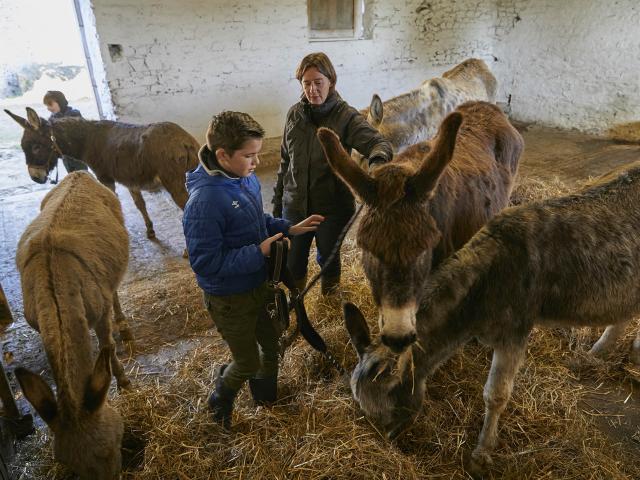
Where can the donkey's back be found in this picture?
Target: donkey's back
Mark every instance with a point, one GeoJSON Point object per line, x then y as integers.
{"type": "Point", "coordinates": [142, 156]}
{"type": "Point", "coordinates": [79, 219]}
{"type": "Point", "coordinates": [478, 181]}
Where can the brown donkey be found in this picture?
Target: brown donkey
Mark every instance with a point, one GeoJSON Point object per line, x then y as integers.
{"type": "Point", "coordinates": [71, 259]}
{"type": "Point", "coordinates": [572, 261]}
{"type": "Point", "coordinates": [426, 204]}
{"type": "Point", "coordinates": [140, 157]}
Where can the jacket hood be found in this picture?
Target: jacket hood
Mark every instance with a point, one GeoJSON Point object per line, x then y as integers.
{"type": "Point", "coordinates": [208, 173]}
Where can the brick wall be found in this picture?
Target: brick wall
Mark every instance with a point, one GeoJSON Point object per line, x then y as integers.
{"type": "Point", "coordinates": [183, 61]}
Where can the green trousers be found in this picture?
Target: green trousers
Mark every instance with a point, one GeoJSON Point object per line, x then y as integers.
{"type": "Point", "coordinates": [243, 323]}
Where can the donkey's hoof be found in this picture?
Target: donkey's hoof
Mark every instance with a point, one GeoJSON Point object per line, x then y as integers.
{"type": "Point", "coordinates": [125, 334]}
{"type": "Point", "coordinates": [124, 384]}
{"type": "Point", "coordinates": [151, 234]}
{"type": "Point", "coordinates": [478, 464]}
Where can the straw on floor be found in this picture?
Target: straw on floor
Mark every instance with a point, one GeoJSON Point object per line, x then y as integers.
{"type": "Point", "coordinates": [558, 424]}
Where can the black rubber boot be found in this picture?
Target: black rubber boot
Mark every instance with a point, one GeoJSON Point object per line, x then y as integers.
{"type": "Point", "coordinates": [221, 401]}
{"type": "Point", "coordinates": [264, 390]}
{"type": "Point", "coordinates": [329, 285]}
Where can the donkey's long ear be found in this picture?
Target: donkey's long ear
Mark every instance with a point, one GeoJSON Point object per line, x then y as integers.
{"type": "Point", "coordinates": [38, 393]}
{"type": "Point", "coordinates": [376, 111]}
{"type": "Point", "coordinates": [357, 327]}
{"type": "Point", "coordinates": [21, 121]}
{"type": "Point", "coordinates": [98, 384]}
{"type": "Point", "coordinates": [427, 177]}
{"type": "Point", "coordinates": [342, 164]}
{"type": "Point", "coordinates": [34, 118]}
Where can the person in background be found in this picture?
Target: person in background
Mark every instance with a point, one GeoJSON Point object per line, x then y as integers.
{"type": "Point", "coordinates": [306, 183]}
{"type": "Point", "coordinates": [228, 238]}
{"type": "Point", "coordinates": [57, 104]}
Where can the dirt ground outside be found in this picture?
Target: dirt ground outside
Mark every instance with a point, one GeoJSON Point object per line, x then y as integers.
{"type": "Point", "coordinates": [160, 297]}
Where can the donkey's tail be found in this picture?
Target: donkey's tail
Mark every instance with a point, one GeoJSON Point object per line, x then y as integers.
{"type": "Point", "coordinates": [62, 320]}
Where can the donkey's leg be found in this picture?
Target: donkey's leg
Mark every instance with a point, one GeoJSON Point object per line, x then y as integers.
{"type": "Point", "coordinates": [176, 188]}
{"type": "Point", "coordinates": [121, 320]}
{"type": "Point", "coordinates": [635, 350]}
{"type": "Point", "coordinates": [142, 206]}
{"type": "Point", "coordinates": [105, 339]}
{"type": "Point", "coordinates": [497, 391]}
{"type": "Point", "coordinates": [608, 339]}
{"type": "Point", "coordinates": [178, 193]}
{"type": "Point", "coordinates": [108, 182]}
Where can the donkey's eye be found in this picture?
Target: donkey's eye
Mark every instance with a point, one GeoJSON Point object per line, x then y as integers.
{"type": "Point", "coordinates": [35, 149]}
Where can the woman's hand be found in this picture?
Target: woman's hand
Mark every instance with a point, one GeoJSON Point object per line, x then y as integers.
{"type": "Point", "coordinates": [309, 224]}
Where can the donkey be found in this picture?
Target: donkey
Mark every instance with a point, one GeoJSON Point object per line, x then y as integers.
{"type": "Point", "coordinates": [141, 157]}
{"type": "Point", "coordinates": [426, 204]}
{"type": "Point", "coordinates": [71, 259]}
{"type": "Point", "coordinates": [415, 116]}
{"type": "Point", "coordinates": [571, 261]}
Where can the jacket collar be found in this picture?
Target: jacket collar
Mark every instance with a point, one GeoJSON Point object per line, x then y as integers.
{"type": "Point", "coordinates": [210, 164]}
{"type": "Point", "coordinates": [318, 112]}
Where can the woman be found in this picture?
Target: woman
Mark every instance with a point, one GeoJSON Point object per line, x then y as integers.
{"type": "Point", "coordinates": [306, 184]}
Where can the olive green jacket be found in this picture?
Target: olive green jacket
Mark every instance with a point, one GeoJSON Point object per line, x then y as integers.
{"type": "Point", "coordinates": [306, 184]}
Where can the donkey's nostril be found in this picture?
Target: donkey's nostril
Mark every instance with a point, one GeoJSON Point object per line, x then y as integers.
{"type": "Point", "coordinates": [398, 344]}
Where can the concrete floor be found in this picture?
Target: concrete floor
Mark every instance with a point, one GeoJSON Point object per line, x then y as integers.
{"type": "Point", "coordinates": [159, 293]}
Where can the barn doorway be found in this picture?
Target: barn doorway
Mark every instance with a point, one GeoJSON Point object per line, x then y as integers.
{"type": "Point", "coordinates": [47, 54]}
{"type": "Point", "coordinates": [42, 50]}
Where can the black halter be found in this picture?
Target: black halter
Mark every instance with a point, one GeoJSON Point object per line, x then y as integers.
{"type": "Point", "coordinates": [55, 148]}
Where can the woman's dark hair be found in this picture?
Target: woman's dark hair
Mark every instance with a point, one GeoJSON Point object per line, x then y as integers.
{"type": "Point", "coordinates": [55, 96]}
{"type": "Point", "coordinates": [322, 63]}
{"type": "Point", "coordinates": [229, 130]}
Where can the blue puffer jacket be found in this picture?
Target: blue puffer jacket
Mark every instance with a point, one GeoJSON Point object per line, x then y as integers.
{"type": "Point", "coordinates": [224, 224]}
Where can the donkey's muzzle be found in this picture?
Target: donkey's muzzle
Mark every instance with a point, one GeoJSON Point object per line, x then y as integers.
{"type": "Point", "coordinates": [39, 180]}
{"type": "Point", "coordinates": [399, 344]}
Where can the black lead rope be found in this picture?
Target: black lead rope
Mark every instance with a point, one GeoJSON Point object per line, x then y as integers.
{"type": "Point", "coordinates": [56, 147]}
{"type": "Point", "coordinates": [279, 272]}
{"type": "Point", "coordinates": [334, 252]}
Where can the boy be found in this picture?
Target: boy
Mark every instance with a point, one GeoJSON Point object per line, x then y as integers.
{"type": "Point", "coordinates": [58, 105]}
{"type": "Point", "coordinates": [228, 237]}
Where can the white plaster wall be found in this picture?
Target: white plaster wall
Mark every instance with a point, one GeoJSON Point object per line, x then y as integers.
{"type": "Point", "coordinates": [570, 63]}
{"type": "Point", "coordinates": [184, 61]}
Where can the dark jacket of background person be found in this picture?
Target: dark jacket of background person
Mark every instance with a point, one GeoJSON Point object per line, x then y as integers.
{"type": "Point", "coordinates": [306, 184]}
{"type": "Point", "coordinates": [224, 224]}
{"type": "Point", "coordinates": [67, 111]}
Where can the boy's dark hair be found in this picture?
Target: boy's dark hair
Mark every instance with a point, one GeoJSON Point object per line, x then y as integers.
{"type": "Point", "coordinates": [322, 63]}
{"type": "Point", "coordinates": [55, 96]}
{"type": "Point", "coordinates": [229, 130]}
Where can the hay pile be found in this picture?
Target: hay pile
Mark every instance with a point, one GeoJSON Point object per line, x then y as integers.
{"type": "Point", "coordinates": [164, 311]}
{"type": "Point", "coordinates": [317, 432]}
{"type": "Point", "coordinates": [531, 189]}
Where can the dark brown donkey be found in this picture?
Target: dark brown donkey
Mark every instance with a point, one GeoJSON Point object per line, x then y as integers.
{"type": "Point", "coordinates": [564, 262]}
{"type": "Point", "coordinates": [140, 157]}
{"type": "Point", "coordinates": [426, 204]}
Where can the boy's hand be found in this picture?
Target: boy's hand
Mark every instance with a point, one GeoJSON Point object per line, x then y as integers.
{"type": "Point", "coordinates": [309, 224]}
{"type": "Point", "coordinates": [265, 246]}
